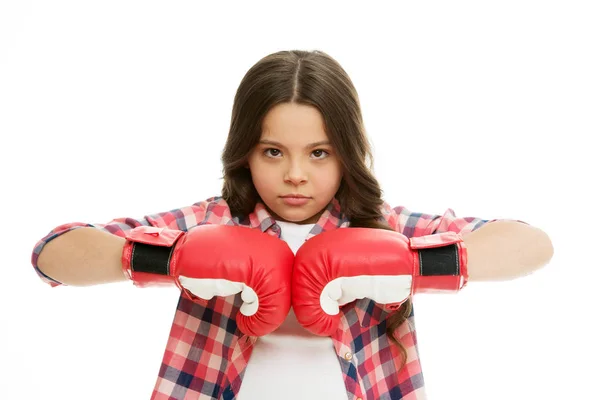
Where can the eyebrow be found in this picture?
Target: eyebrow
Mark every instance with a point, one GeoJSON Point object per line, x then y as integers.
{"type": "Point", "coordinates": [308, 146]}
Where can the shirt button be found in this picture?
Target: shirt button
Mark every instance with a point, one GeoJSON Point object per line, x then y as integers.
{"type": "Point", "coordinates": [348, 356]}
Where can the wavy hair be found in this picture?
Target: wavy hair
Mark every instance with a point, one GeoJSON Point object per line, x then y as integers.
{"type": "Point", "coordinates": [310, 78]}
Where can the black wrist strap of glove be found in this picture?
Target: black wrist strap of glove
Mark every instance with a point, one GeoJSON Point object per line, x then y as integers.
{"type": "Point", "coordinates": [151, 259]}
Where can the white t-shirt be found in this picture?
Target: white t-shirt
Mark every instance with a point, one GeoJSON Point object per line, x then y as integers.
{"type": "Point", "coordinates": [292, 363]}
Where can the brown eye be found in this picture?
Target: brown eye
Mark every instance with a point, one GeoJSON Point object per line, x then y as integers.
{"type": "Point", "coordinates": [319, 153]}
{"type": "Point", "coordinates": [272, 152]}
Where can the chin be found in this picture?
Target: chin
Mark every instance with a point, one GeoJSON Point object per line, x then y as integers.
{"type": "Point", "coordinates": [295, 217]}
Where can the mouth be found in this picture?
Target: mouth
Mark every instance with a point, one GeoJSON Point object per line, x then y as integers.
{"type": "Point", "coordinates": [295, 196]}
{"type": "Point", "coordinates": [295, 200]}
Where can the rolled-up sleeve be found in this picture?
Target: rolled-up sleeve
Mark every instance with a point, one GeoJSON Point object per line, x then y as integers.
{"type": "Point", "coordinates": [449, 222]}
{"type": "Point", "coordinates": [415, 224]}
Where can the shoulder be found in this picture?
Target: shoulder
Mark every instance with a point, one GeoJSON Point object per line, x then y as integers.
{"type": "Point", "coordinates": [405, 221]}
{"type": "Point", "coordinates": [213, 210]}
{"type": "Point", "coordinates": [409, 222]}
{"type": "Point", "coordinates": [214, 203]}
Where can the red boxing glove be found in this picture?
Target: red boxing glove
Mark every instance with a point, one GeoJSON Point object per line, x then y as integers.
{"type": "Point", "coordinates": [216, 260]}
{"type": "Point", "coordinates": [336, 267]}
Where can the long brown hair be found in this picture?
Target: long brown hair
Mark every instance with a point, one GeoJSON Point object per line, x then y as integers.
{"type": "Point", "coordinates": [315, 79]}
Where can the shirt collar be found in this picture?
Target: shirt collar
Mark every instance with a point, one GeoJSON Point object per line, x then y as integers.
{"type": "Point", "coordinates": [331, 218]}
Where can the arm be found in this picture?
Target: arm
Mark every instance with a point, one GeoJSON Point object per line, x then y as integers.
{"type": "Point", "coordinates": [83, 257]}
{"type": "Point", "coordinates": [82, 254]}
{"type": "Point", "coordinates": [497, 249]}
{"type": "Point", "coordinates": [504, 250]}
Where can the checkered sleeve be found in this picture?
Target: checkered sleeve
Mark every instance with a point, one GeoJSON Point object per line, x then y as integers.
{"type": "Point", "coordinates": [415, 224]}
{"type": "Point", "coordinates": [180, 218]}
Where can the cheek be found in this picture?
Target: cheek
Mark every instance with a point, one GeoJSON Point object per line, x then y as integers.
{"type": "Point", "coordinates": [329, 178]}
{"type": "Point", "coordinates": [262, 176]}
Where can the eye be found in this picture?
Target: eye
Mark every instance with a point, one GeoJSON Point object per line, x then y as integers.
{"type": "Point", "coordinates": [271, 152]}
{"type": "Point", "coordinates": [321, 152]}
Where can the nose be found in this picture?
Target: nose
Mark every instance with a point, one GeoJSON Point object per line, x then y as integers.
{"type": "Point", "coordinates": [295, 174]}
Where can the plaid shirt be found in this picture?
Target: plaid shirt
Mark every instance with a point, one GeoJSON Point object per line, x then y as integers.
{"type": "Point", "coordinates": [206, 355]}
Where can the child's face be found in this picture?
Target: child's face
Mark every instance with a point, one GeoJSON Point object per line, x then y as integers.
{"type": "Point", "coordinates": [285, 165]}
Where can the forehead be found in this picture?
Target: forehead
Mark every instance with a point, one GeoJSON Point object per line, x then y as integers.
{"type": "Point", "coordinates": [294, 123]}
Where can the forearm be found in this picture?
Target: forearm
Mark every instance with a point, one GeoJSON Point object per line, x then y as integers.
{"type": "Point", "coordinates": [504, 250]}
{"type": "Point", "coordinates": [83, 257]}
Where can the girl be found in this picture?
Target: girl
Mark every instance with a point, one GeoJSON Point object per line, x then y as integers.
{"type": "Point", "coordinates": [296, 164]}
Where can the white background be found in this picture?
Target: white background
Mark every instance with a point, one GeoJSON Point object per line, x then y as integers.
{"type": "Point", "coordinates": [121, 108]}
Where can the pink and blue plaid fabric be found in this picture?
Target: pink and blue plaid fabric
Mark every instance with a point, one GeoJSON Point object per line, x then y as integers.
{"type": "Point", "coordinates": [206, 355]}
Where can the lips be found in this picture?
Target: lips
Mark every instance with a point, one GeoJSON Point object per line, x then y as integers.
{"type": "Point", "coordinates": [295, 200]}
